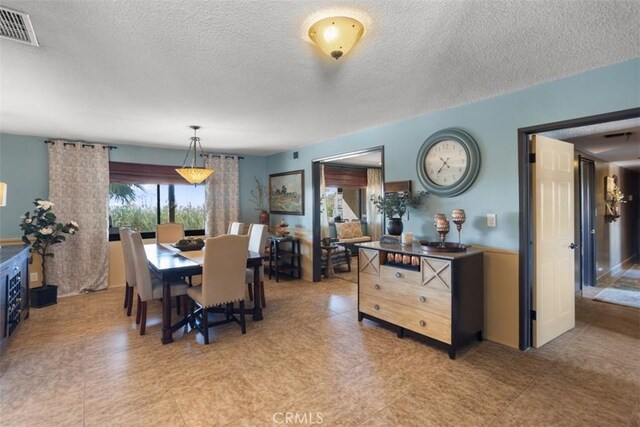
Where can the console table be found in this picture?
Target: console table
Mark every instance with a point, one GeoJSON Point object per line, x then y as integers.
{"type": "Point", "coordinates": [437, 295]}
{"type": "Point", "coordinates": [14, 290]}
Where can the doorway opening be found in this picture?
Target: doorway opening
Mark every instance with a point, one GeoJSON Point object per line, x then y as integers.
{"type": "Point", "coordinates": [607, 227]}
{"type": "Point", "coordinates": [342, 215]}
{"type": "Point", "coordinates": [527, 214]}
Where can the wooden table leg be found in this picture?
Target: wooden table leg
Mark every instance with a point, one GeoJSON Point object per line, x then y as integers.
{"type": "Point", "coordinates": [167, 336]}
{"type": "Point", "coordinates": [329, 271]}
{"type": "Point", "coordinates": [257, 301]}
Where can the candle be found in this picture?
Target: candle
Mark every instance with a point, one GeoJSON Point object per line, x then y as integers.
{"type": "Point", "coordinates": [407, 238]}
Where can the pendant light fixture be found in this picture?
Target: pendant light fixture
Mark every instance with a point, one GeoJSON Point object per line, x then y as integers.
{"type": "Point", "coordinates": [336, 35]}
{"type": "Point", "coordinates": [194, 174]}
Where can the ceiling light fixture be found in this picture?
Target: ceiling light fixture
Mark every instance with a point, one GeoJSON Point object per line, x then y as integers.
{"type": "Point", "coordinates": [194, 174]}
{"type": "Point", "coordinates": [336, 35]}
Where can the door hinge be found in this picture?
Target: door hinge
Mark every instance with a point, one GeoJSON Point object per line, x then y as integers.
{"type": "Point", "coordinates": [532, 157]}
{"type": "Point", "coordinates": [533, 315]}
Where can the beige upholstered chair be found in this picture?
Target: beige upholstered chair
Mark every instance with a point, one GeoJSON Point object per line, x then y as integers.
{"type": "Point", "coordinates": [257, 243]}
{"type": "Point", "coordinates": [169, 233]}
{"type": "Point", "coordinates": [129, 268]}
{"type": "Point", "coordinates": [223, 271]}
{"type": "Point", "coordinates": [350, 233]}
{"type": "Point", "coordinates": [236, 228]}
{"type": "Point", "coordinates": [149, 286]}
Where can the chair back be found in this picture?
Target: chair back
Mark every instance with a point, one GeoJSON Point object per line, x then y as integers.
{"type": "Point", "coordinates": [141, 267]}
{"type": "Point", "coordinates": [223, 270]}
{"type": "Point", "coordinates": [258, 238]}
{"type": "Point", "coordinates": [129, 269]}
{"type": "Point", "coordinates": [169, 233]}
{"type": "Point", "coordinates": [236, 228]}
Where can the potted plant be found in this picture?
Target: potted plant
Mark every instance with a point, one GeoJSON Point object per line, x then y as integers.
{"type": "Point", "coordinates": [41, 230]}
{"type": "Point", "coordinates": [260, 198]}
{"type": "Point", "coordinates": [394, 206]}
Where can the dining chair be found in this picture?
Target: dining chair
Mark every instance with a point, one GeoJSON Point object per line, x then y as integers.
{"type": "Point", "coordinates": [149, 286]}
{"type": "Point", "coordinates": [129, 268]}
{"type": "Point", "coordinates": [236, 228]}
{"type": "Point", "coordinates": [169, 232]}
{"type": "Point", "coordinates": [223, 270]}
{"type": "Point", "coordinates": [257, 242]}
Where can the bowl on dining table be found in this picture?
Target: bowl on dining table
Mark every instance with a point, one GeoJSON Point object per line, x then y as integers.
{"type": "Point", "coordinates": [189, 245]}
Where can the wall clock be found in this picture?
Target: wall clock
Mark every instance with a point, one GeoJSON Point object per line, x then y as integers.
{"type": "Point", "coordinates": [448, 162]}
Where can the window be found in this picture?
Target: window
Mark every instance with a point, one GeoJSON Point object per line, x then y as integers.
{"type": "Point", "coordinates": [143, 206]}
{"type": "Point", "coordinates": [344, 203]}
{"type": "Point", "coordinates": [142, 196]}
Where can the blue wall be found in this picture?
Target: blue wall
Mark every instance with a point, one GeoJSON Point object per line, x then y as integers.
{"type": "Point", "coordinates": [493, 123]}
{"type": "Point", "coordinates": [25, 168]}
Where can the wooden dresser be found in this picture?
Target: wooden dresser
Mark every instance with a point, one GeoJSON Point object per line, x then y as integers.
{"type": "Point", "coordinates": [438, 295]}
{"type": "Point", "coordinates": [14, 290]}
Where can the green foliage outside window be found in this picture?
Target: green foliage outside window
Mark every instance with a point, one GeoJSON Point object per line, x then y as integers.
{"type": "Point", "coordinates": [144, 218]}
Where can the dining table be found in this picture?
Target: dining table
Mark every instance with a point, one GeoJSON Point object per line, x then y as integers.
{"type": "Point", "coordinates": [170, 265]}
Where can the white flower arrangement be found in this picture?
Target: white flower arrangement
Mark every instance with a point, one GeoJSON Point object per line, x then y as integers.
{"type": "Point", "coordinates": [41, 230]}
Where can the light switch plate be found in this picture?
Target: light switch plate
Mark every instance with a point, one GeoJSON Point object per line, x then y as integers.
{"type": "Point", "coordinates": [33, 277]}
{"type": "Point", "coordinates": [491, 220]}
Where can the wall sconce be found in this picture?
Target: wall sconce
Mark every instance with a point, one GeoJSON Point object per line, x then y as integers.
{"type": "Point", "coordinates": [3, 194]}
{"type": "Point", "coordinates": [336, 35]}
{"type": "Point", "coordinates": [613, 197]}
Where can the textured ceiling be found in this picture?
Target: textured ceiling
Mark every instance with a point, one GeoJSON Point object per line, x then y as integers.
{"type": "Point", "coordinates": [622, 147]}
{"type": "Point", "coordinates": [140, 72]}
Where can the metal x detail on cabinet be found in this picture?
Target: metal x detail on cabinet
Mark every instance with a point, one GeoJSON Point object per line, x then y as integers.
{"type": "Point", "coordinates": [436, 272]}
{"type": "Point", "coordinates": [369, 263]}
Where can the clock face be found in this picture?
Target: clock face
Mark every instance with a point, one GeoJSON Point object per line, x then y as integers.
{"type": "Point", "coordinates": [446, 162]}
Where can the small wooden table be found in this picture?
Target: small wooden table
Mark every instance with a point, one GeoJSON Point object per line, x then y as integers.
{"type": "Point", "coordinates": [329, 271]}
{"type": "Point", "coordinates": [170, 265]}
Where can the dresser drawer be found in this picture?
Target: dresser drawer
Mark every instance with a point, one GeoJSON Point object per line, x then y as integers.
{"type": "Point", "coordinates": [408, 293]}
{"type": "Point", "coordinates": [394, 274]}
{"type": "Point", "coordinates": [419, 321]}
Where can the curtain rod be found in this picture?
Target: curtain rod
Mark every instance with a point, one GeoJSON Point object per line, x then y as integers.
{"type": "Point", "coordinates": [84, 144]}
{"type": "Point", "coordinates": [340, 166]}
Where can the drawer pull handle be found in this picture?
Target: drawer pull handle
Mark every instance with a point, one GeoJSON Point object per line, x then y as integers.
{"type": "Point", "coordinates": [377, 286]}
{"type": "Point", "coordinates": [423, 299]}
{"type": "Point", "coordinates": [423, 323]}
{"type": "Point", "coordinates": [377, 307]}
{"type": "Point", "coordinates": [398, 275]}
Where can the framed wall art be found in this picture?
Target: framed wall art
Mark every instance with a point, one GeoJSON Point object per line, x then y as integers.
{"type": "Point", "coordinates": [286, 193]}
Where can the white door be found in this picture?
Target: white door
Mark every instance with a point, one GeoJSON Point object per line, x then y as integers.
{"type": "Point", "coordinates": [553, 234]}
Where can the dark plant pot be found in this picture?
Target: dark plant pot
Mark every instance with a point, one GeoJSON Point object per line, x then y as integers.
{"type": "Point", "coordinates": [43, 296]}
{"type": "Point", "coordinates": [394, 226]}
{"type": "Point", "coordinates": [264, 217]}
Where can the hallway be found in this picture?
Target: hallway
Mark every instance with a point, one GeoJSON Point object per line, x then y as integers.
{"type": "Point", "coordinates": [623, 290]}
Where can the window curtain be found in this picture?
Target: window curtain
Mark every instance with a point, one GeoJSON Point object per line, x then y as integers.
{"type": "Point", "coordinates": [324, 214]}
{"type": "Point", "coordinates": [222, 194]}
{"type": "Point", "coordinates": [79, 189]}
{"type": "Point", "coordinates": [374, 188]}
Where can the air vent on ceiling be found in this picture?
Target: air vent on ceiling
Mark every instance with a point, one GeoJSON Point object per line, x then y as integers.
{"type": "Point", "coordinates": [615, 135]}
{"type": "Point", "coordinates": [17, 26]}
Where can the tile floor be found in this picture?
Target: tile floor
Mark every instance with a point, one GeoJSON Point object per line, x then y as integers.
{"type": "Point", "coordinates": [81, 362]}
{"type": "Point", "coordinates": [591, 292]}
